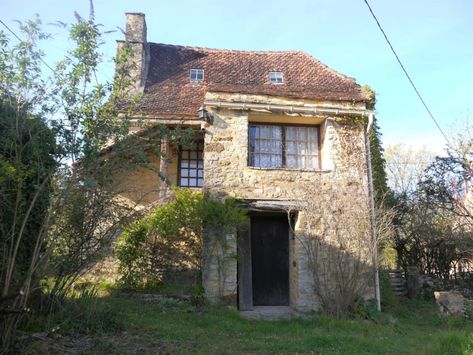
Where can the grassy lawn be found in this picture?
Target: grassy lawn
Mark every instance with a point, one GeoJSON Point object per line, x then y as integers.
{"type": "Point", "coordinates": [127, 325]}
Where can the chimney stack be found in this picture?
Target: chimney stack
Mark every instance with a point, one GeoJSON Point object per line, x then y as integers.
{"type": "Point", "coordinates": [135, 39]}
{"type": "Point", "coordinates": [135, 27]}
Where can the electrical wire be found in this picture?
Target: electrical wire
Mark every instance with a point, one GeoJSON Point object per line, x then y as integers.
{"type": "Point", "coordinates": [18, 38]}
{"type": "Point", "coordinates": [407, 75]}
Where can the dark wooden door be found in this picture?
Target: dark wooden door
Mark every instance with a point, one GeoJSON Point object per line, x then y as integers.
{"type": "Point", "coordinates": [270, 260]}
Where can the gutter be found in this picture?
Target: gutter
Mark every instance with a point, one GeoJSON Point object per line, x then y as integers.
{"type": "Point", "coordinates": [164, 121]}
{"type": "Point", "coordinates": [313, 110]}
{"type": "Point", "coordinates": [372, 212]}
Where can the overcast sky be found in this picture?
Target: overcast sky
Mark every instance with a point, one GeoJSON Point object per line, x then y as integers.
{"type": "Point", "coordinates": [434, 39]}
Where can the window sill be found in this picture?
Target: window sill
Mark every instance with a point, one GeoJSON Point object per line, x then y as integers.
{"type": "Point", "coordinates": [320, 171]}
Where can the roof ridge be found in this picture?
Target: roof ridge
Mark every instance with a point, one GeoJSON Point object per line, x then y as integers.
{"type": "Point", "coordinates": [225, 49]}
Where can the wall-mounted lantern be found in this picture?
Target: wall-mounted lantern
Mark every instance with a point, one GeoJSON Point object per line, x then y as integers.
{"type": "Point", "coordinates": [205, 115]}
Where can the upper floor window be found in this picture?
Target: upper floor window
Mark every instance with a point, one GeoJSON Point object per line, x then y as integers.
{"type": "Point", "coordinates": [197, 74]}
{"type": "Point", "coordinates": [276, 77]}
{"type": "Point", "coordinates": [191, 165]}
{"type": "Point", "coordinates": [272, 146]}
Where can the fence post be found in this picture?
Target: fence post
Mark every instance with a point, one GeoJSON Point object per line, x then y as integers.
{"type": "Point", "coordinates": [413, 282]}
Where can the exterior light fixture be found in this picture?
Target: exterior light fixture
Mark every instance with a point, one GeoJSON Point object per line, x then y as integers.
{"type": "Point", "coordinates": [204, 115]}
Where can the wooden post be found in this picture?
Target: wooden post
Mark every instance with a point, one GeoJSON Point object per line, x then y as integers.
{"type": "Point", "coordinates": [163, 167]}
{"type": "Point", "coordinates": [413, 282]}
{"type": "Point", "coordinates": [245, 282]}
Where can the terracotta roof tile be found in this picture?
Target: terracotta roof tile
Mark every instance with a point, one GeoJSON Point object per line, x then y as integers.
{"type": "Point", "coordinates": [168, 89]}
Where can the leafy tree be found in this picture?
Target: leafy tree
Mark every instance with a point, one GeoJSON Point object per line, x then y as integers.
{"type": "Point", "coordinates": [62, 143]}
{"type": "Point", "coordinates": [405, 168]}
{"type": "Point", "coordinates": [382, 192]}
{"type": "Point", "coordinates": [378, 163]}
{"type": "Point", "coordinates": [27, 151]}
{"type": "Point", "coordinates": [28, 154]}
{"type": "Point", "coordinates": [433, 221]}
{"type": "Point", "coordinates": [87, 214]}
{"type": "Point", "coordinates": [27, 148]}
{"type": "Point", "coordinates": [446, 184]}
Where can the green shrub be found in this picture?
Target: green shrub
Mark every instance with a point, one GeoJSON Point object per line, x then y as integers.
{"type": "Point", "coordinates": [171, 237]}
{"type": "Point", "coordinates": [365, 309]}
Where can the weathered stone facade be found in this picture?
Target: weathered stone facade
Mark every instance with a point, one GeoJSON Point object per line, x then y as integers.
{"type": "Point", "coordinates": [220, 266]}
{"type": "Point", "coordinates": [227, 174]}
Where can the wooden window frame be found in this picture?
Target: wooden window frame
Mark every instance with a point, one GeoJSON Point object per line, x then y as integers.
{"type": "Point", "coordinates": [195, 144]}
{"type": "Point", "coordinates": [283, 145]}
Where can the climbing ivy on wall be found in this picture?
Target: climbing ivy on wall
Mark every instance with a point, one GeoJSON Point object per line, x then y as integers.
{"type": "Point", "coordinates": [171, 238]}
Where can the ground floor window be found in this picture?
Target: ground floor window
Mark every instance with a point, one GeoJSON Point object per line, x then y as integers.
{"type": "Point", "coordinates": [191, 165]}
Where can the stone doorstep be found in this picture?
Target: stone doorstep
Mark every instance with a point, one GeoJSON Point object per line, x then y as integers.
{"type": "Point", "coordinates": [269, 313]}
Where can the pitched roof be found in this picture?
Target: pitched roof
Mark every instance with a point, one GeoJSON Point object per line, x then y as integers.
{"type": "Point", "coordinates": [168, 89]}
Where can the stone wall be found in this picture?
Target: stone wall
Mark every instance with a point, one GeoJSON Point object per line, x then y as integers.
{"type": "Point", "coordinates": [227, 174]}
{"type": "Point", "coordinates": [220, 266]}
{"type": "Point", "coordinates": [302, 295]}
{"type": "Point", "coordinates": [226, 163]}
{"type": "Point", "coordinates": [143, 187]}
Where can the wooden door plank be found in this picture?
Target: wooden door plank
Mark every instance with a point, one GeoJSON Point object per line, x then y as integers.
{"type": "Point", "coordinates": [245, 283]}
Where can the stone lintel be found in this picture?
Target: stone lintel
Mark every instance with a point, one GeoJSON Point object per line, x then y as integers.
{"type": "Point", "coordinates": [270, 205]}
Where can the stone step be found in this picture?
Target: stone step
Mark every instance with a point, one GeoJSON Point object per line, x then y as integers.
{"type": "Point", "coordinates": [398, 282]}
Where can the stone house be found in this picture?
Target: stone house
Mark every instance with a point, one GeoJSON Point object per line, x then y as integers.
{"type": "Point", "coordinates": [265, 123]}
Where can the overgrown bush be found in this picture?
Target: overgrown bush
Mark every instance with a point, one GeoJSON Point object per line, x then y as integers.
{"type": "Point", "coordinates": [171, 238]}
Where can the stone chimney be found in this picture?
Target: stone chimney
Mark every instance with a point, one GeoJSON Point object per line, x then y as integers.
{"type": "Point", "coordinates": [135, 39]}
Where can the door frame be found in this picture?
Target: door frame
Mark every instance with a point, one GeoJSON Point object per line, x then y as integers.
{"type": "Point", "coordinates": [245, 267]}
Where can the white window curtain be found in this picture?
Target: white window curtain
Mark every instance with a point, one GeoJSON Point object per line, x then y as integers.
{"type": "Point", "coordinates": [302, 147]}
{"type": "Point", "coordinates": [266, 146]}
{"type": "Point", "coordinates": [284, 146]}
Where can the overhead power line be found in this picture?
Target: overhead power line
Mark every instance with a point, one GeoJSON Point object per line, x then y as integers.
{"type": "Point", "coordinates": [18, 38]}
{"type": "Point", "coordinates": [407, 75]}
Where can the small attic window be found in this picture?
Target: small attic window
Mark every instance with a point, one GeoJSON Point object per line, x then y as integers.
{"type": "Point", "coordinates": [276, 77]}
{"type": "Point", "coordinates": [197, 74]}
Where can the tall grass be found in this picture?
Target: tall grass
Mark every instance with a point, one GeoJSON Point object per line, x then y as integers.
{"type": "Point", "coordinates": [80, 313]}
{"type": "Point", "coordinates": [177, 326]}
